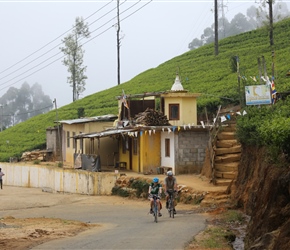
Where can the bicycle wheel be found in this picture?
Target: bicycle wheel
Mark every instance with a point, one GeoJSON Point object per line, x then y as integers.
{"type": "Point", "coordinates": [155, 212]}
{"type": "Point", "coordinates": [170, 207]}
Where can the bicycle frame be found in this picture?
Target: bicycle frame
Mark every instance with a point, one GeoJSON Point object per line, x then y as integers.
{"type": "Point", "coordinates": [171, 203]}
{"type": "Point", "coordinates": [155, 208]}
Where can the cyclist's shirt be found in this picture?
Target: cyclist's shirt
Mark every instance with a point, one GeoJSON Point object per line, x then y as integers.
{"type": "Point", "coordinates": [170, 183]}
{"type": "Point", "coordinates": [155, 188]}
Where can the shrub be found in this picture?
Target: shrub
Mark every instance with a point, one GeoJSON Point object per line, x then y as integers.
{"type": "Point", "coordinates": [141, 186]}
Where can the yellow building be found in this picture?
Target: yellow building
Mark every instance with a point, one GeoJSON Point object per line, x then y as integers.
{"type": "Point", "coordinates": [71, 148]}
{"type": "Point", "coordinates": [179, 145]}
{"type": "Point", "coordinates": [156, 131]}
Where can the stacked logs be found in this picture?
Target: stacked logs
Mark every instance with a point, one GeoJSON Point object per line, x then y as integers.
{"type": "Point", "coordinates": [151, 117]}
{"type": "Point", "coordinates": [34, 155]}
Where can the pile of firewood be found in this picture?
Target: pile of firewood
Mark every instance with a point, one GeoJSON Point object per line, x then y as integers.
{"type": "Point", "coordinates": [34, 155]}
{"type": "Point", "coordinates": [151, 117]}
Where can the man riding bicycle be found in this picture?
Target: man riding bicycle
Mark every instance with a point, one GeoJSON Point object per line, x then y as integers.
{"type": "Point", "coordinates": [170, 186]}
{"type": "Point", "coordinates": [155, 188]}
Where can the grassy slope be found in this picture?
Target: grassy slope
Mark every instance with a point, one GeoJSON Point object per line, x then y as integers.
{"type": "Point", "coordinates": [200, 72]}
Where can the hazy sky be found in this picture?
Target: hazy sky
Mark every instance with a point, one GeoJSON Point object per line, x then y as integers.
{"type": "Point", "coordinates": [153, 32]}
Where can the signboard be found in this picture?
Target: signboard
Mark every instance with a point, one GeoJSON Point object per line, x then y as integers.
{"type": "Point", "coordinates": [258, 94]}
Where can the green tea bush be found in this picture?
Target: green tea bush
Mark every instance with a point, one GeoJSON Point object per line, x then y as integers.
{"type": "Point", "coordinates": [200, 71]}
{"type": "Point", "coordinates": [267, 126]}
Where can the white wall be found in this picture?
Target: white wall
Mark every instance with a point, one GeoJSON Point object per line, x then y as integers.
{"type": "Point", "coordinates": [58, 179]}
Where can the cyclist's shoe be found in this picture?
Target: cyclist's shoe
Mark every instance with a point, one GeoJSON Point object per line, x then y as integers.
{"type": "Point", "coordinates": [151, 211]}
{"type": "Point", "coordinates": [159, 214]}
{"type": "Point", "coordinates": [174, 211]}
{"type": "Point", "coordinates": [166, 204]}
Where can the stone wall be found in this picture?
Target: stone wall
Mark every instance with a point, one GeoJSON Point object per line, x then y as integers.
{"type": "Point", "coordinates": [190, 151]}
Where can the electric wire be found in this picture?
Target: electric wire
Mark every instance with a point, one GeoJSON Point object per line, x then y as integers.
{"type": "Point", "coordinates": [46, 46]}
{"type": "Point", "coordinates": [51, 41]}
{"type": "Point", "coordinates": [61, 52]}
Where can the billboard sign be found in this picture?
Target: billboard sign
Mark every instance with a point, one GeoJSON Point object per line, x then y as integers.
{"type": "Point", "coordinates": [258, 94]}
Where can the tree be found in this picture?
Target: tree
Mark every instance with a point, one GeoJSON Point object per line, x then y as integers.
{"type": "Point", "coordinates": [255, 18]}
{"type": "Point", "coordinates": [239, 24]}
{"type": "Point", "coordinates": [74, 57]}
{"type": "Point", "coordinates": [21, 104]}
{"type": "Point", "coordinates": [196, 43]}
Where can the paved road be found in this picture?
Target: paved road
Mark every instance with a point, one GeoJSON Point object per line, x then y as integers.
{"type": "Point", "coordinates": [126, 224]}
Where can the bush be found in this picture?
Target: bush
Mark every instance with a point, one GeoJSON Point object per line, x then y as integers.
{"type": "Point", "coordinates": [116, 190]}
{"type": "Point", "coordinates": [267, 126]}
{"type": "Point", "coordinates": [141, 186]}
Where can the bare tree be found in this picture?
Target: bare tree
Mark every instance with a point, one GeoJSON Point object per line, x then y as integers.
{"type": "Point", "coordinates": [74, 53]}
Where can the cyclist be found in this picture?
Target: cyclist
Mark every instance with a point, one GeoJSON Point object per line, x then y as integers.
{"type": "Point", "coordinates": [155, 188]}
{"type": "Point", "coordinates": [170, 185]}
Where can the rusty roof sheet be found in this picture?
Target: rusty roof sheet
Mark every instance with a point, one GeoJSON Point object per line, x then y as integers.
{"type": "Point", "coordinates": [101, 118]}
{"type": "Point", "coordinates": [105, 133]}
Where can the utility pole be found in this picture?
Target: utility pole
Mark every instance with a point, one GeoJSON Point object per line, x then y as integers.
{"type": "Point", "coordinates": [216, 36]}
{"type": "Point", "coordinates": [118, 42]}
{"type": "Point", "coordinates": [2, 107]}
{"type": "Point", "coordinates": [260, 70]}
{"type": "Point", "coordinates": [271, 36]}
{"type": "Point", "coordinates": [239, 80]}
{"type": "Point", "coordinates": [273, 64]}
{"type": "Point", "coordinates": [59, 141]}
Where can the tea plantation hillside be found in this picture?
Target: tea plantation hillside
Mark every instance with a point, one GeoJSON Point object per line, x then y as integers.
{"type": "Point", "coordinates": [200, 72]}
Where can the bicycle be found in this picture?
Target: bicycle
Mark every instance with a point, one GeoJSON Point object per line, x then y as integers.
{"type": "Point", "coordinates": [155, 207]}
{"type": "Point", "coordinates": [171, 205]}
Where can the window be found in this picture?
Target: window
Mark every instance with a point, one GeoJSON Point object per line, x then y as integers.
{"type": "Point", "coordinates": [135, 146]}
{"type": "Point", "coordinates": [173, 111]}
{"type": "Point", "coordinates": [74, 141]}
{"type": "Point", "coordinates": [167, 147]}
{"type": "Point", "coordinates": [67, 139]}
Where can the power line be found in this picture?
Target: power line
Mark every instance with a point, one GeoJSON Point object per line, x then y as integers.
{"type": "Point", "coordinates": [43, 48]}
{"type": "Point", "coordinates": [61, 43]}
{"type": "Point", "coordinates": [50, 41]}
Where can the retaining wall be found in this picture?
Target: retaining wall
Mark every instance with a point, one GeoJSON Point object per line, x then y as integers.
{"type": "Point", "coordinates": [58, 179]}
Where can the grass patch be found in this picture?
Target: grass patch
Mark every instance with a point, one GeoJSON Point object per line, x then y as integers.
{"type": "Point", "coordinates": [233, 216]}
{"type": "Point", "coordinates": [213, 237]}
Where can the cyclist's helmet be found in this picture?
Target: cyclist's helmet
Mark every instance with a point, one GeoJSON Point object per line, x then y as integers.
{"type": "Point", "coordinates": [169, 173]}
{"type": "Point", "coordinates": [155, 180]}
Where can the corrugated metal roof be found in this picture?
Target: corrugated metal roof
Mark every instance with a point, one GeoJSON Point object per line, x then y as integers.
{"type": "Point", "coordinates": [105, 133]}
{"type": "Point", "coordinates": [102, 118]}
{"type": "Point", "coordinates": [116, 131]}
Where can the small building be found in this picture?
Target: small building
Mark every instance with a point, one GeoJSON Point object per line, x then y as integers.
{"type": "Point", "coordinates": [177, 143]}
{"type": "Point", "coordinates": [83, 153]}
{"type": "Point", "coordinates": [158, 131]}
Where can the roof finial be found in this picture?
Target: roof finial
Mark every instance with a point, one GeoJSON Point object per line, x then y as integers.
{"type": "Point", "coordinates": [177, 86]}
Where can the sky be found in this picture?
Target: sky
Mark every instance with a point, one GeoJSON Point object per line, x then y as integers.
{"type": "Point", "coordinates": [152, 32]}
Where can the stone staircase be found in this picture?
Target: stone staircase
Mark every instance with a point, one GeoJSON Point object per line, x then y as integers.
{"type": "Point", "coordinates": [227, 154]}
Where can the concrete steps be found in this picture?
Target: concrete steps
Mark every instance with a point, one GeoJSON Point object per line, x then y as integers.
{"type": "Point", "coordinates": [227, 151]}
{"type": "Point", "coordinates": [229, 166]}
{"type": "Point", "coordinates": [227, 155]}
{"type": "Point", "coordinates": [226, 136]}
{"type": "Point", "coordinates": [215, 199]}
